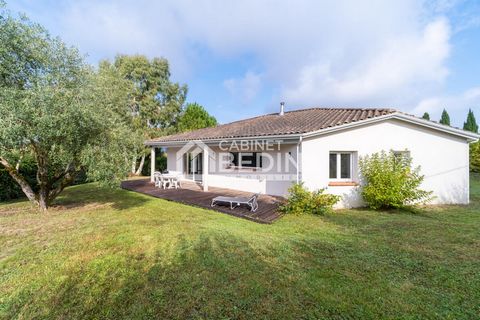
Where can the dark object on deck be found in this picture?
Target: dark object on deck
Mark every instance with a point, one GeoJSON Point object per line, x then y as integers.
{"type": "Point", "coordinates": [237, 201]}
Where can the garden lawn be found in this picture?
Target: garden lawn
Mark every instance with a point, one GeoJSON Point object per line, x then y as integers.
{"type": "Point", "coordinates": [114, 254]}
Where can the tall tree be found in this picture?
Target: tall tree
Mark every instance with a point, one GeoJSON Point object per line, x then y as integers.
{"type": "Point", "coordinates": [55, 109]}
{"type": "Point", "coordinates": [426, 116]}
{"type": "Point", "coordinates": [195, 117]}
{"type": "Point", "coordinates": [445, 118]}
{"type": "Point", "coordinates": [155, 101]}
{"type": "Point", "coordinates": [471, 123]}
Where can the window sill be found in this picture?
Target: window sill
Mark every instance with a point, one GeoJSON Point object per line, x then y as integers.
{"type": "Point", "coordinates": [342, 184]}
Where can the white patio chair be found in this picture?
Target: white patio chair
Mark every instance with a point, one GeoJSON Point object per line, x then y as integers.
{"type": "Point", "coordinates": [156, 178]}
{"type": "Point", "coordinates": [175, 182]}
{"type": "Point", "coordinates": [161, 181]}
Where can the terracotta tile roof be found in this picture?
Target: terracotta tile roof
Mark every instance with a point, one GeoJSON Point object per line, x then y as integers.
{"type": "Point", "coordinates": [292, 122]}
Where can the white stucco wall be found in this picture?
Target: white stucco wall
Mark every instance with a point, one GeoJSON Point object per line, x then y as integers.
{"type": "Point", "coordinates": [443, 158]}
{"type": "Point", "coordinates": [172, 159]}
{"type": "Point", "coordinates": [274, 179]}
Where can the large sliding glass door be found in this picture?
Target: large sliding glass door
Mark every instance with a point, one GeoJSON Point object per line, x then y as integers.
{"type": "Point", "coordinates": [193, 166]}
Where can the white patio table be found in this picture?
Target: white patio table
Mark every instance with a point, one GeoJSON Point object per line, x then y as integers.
{"type": "Point", "coordinates": [172, 178]}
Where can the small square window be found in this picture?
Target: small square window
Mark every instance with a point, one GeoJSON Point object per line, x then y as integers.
{"type": "Point", "coordinates": [400, 156]}
{"type": "Point", "coordinates": [340, 165]}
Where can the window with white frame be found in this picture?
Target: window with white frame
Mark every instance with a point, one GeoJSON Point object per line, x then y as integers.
{"type": "Point", "coordinates": [341, 166]}
{"type": "Point", "coordinates": [401, 154]}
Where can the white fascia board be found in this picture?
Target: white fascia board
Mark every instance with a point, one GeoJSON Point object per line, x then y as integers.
{"type": "Point", "coordinates": [469, 136]}
{"type": "Point", "coordinates": [290, 138]}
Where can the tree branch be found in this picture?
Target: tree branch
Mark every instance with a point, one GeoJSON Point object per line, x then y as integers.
{"type": "Point", "coordinates": [59, 176]}
{"type": "Point", "coordinates": [17, 166]}
{"type": "Point", "coordinates": [68, 179]}
{"type": "Point", "coordinates": [26, 188]}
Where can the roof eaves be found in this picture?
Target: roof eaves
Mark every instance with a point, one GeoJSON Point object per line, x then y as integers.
{"type": "Point", "coordinates": [470, 136]}
{"type": "Point", "coordinates": [219, 139]}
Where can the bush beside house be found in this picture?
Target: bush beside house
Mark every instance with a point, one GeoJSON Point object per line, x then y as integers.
{"type": "Point", "coordinates": [389, 181]}
{"type": "Point", "coordinates": [302, 201]}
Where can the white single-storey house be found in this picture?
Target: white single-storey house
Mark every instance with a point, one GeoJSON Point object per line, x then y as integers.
{"type": "Point", "coordinates": [321, 148]}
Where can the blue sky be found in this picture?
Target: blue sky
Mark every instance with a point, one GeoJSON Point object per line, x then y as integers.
{"type": "Point", "coordinates": [241, 58]}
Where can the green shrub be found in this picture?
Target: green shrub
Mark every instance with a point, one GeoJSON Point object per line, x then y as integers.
{"type": "Point", "coordinates": [160, 163]}
{"type": "Point", "coordinates": [301, 201]}
{"type": "Point", "coordinates": [475, 156]}
{"type": "Point", "coordinates": [389, 181]}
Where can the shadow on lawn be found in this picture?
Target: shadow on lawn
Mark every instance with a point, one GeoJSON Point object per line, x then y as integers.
{"type": "Point", "coordinates": [220, 275]}
{"type": "Point", "coordinates": [86, 196]}
{"type": "Point", "coordinates": [214, 276]}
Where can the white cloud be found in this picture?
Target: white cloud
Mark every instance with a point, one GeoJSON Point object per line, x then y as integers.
{"type": "Point", "coordinates": [397, 66]}
{"type": "Point", "coordinates": [246, 88]}
{"type": "Point", "coordinates": [457, 104]}
{"type": "Point", "coordinates": [308, 52]}
{"type": "Point", "coordinates": [105, 28]}
{"type": "Point", "coordinates": [284, 35]}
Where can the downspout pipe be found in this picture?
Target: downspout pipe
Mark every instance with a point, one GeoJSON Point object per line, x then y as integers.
{"type": "Point", "coordinates": [299, 162]}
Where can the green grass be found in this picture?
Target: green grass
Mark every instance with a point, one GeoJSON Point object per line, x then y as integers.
{"type": "Point", "coordinates": [117, 254]}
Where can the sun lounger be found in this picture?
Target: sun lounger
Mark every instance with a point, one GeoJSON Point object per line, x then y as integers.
{"type": "Point", "coordinates": [237, 201]}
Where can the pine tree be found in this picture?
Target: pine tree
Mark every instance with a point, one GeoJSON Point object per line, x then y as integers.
{"type": "Point", "coordinates": [471, 123]}
{"type": "Point", "coordinates": [426, 116]}
{"type": "Point", "coordinates": [445, 119]}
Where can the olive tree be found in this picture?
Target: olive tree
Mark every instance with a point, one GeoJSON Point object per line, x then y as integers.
{"type": "Point", "coordinates": [54, 107]}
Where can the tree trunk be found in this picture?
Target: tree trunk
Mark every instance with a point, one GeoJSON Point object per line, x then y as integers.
{"type": "Point", "coordinates": [26, 188]}
{"type": "Point", "coordinates": [63, 181]}
{"type": "Point", "coordinates": [43, 202]}
{"type": "Point", "coordinates": [42, 180]}
{"type": "Point", "coordinates": [49, 189]}
{"type": "Point", "coordinates": [140, 167]}
{"type": "Point", "coordinates": [134, 164]}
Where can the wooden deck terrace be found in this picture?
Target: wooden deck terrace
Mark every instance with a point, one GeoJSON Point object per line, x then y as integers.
{"type": "Point", "coordinates": [191, 193]}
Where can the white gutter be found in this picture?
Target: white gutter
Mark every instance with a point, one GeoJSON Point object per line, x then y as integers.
{"type": "Point", "coordinates": [438, 126]}
{"type": "Point", "coordinates": [292, 137]}
{"type": "Point", "coordinates": [470, 136]}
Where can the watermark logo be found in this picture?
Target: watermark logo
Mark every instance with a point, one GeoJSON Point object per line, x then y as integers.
{"type": "Point", "coordinates": [195, 148]}
{"type": "Point", "coordinates": [256, 159]}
